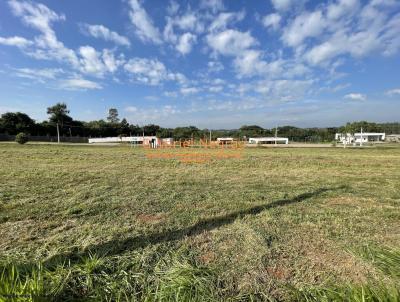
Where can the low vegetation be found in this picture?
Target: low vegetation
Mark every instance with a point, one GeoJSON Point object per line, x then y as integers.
{"type": "Point", "coordinates": [21, 138]}
{"type": "Point", "coordinates": [111, 223]}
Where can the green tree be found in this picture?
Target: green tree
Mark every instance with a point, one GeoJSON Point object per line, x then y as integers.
{"type": "Point", "coordinates": [186, 132]}
{"type": "Point", "coordinates": [113, 116]}
{"type": "Point", "coordinates": [59, 114]}
{"type": "Point", "coordinates": [13, 123]}
{"type": "Point", "coordinates": [356, 127]}
{"type": "Point", "coordinates": [252, 131]}
{"type": "Point", "coordinates": [124, 127]}
{"type": "Point", "coordinates": [151, 129]}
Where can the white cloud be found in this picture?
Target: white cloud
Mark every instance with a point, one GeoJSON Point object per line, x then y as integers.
{"type": "Point", "coordinates": [144, 27]}
{"type": "Point", "coordinates": [215, 66]}
{"type": "Point", "coordinates": [282, 5]}
{"type": "Point", "coordinates": [96, 63]}
{"type": "Point", "coordinates": [214, 5]}
{"type": "Point", "coordinates": [356, 44]}
{"type": "Point", "coordinates": [131, 109]}
{"type": "Point", "coordinates": [341, 8]}
{"type": "Point", "coordinates": [90, 61]}
{"type": "Point", "coordinates": [188, 21]}
{"type": "Point", "coordinates": [35, 14]}
{"type": "Point", "coordinates": [324, 51]}
{"type": "Point", "coordinates": [168, 33]}
{"type": "Point", "coordinates": [224, 19]}
{"type": "Point", "coordinates": [393, 92]}
{"type": "Point", "coordinates": [272, 20]}
{"type": "Point", "coordinates": [152, 97]}
{"type": "Point", "coordinates": [78, 83]}
{"type": "Point", "coordinates": [283, 90]}
{"type": "Point", "coordinates": [146, 115]}
{"type": "Point", "coordinates": [189, 25]}
{"type": "Point", "coordinates": [342, 28]}
{"type": "Point", "coordinates": [147, 71]}
{"type": "Point", "coordinates": [102, 32]}
{"type": "Point", "coordinates": [169, 110]}
{"type": "Point", "coordinates": [151, 72]}
{"type": "Point", "coordinates": [189, 90]}
{"type": "Point", "coordinates": [280, 90]}
{"type": "Point", "coordinates": [391, 37]}
{"type": "Point", "coordinates": [15, 41]}
{"type": "Point", "coordinates": [356, 96]}
{"type": "Point", "coordinates": [230, 42]}
{"type": "Point", "coordinates": [172, 94]}
{"type": "Point", "coordinates": [46, 46]}
{"type": "Point", "coordinates": [304, 26]}
{"type": "Point", "coordinates": [237, 44]}
{"type": "Point", "coordinates": [112, 63]}
{"type": "Point", "coordinates": [249, 62]}
{"type": "Point", "coordinates": [217, 81]}
{"type": "Point", "coordinates": [178, 77]}
{"type": "Point", "coordinates": [173, 7]}
{"type": "Point", "coordinates": [40, 17]}
{"type": "Point", "coordinates": [40, 75]}
{"type": "Point", "coordinates": [215, 88]}
{"type": "Point", "coordinates": [185, 43]}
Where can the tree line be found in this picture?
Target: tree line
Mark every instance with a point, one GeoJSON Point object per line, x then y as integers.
{"type": "Point", "coordinates": [12, 123]}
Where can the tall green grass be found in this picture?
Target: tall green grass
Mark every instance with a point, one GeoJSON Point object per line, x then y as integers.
{"type": "Point", "coordinates": [19, 283]}
{"type": "Point", "coordinates": [352, 293]}
{"type": "Point", "coordinates": [385, 259]}
{"type": "Point", "coordinates": [176, 277]}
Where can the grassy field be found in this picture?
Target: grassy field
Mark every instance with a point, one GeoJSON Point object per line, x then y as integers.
{"type": "Point", "coordinates": [118, 224]}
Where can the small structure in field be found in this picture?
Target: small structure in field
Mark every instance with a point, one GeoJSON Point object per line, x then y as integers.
{"type": "Point", "coordinates": [134, 140]}
{"type": "Point", "coordinates": [169, 141]}
{"type": "Point", "coordinates": [393, 138]}
{"type": "Point", "coordinates": [224, 140]}
{"type": "Point", "coordinates": [268, 140]}
{"type": "Point", "coordinates": [360, 138]}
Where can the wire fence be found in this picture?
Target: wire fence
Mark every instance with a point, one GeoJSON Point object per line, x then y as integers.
{"type": "Point", "coordinates": [34, 138]}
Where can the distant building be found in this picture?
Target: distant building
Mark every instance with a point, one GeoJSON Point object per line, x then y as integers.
{"type": "Point", "coordinates": [393, 138]}
{"type": "Point", "coordinates": [167, 141]}
{"type": "Point", "coordinates": [225, 140]}
{"type": "Point", "coordinates": [268, 140]}
{"type": "Point", "coordinates": [135, 140]}
{"type": "Point", "coordinates": [358, 138]}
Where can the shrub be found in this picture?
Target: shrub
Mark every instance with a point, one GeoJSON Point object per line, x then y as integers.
{"type": "Point", "coordinates": [21, 138]}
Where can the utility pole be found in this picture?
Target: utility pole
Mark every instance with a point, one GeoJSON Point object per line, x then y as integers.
{"type": "Point", "coordinates": [361, 143]}
{"type": "Point", "coordinates": [58, 134]}
{"type": "Point", "coordinates": [210, 135]}
{"type": "Point", "coordinates": [276, 133]}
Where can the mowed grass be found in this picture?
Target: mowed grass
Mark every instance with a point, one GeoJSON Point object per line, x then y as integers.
{"type": "Point", "coordinates": [113, 223]}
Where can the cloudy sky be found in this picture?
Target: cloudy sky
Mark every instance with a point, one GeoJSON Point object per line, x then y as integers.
{"type": "Point", "coordinates": [208, 63]}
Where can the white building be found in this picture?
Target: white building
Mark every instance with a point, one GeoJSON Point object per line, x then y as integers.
{"type": "Point", "coordinates": [225, 140]}
{"type": "Point", "coordinates": [137, 140]}
{"type": "Point", "coordinates": [268, 140]}
{"type": "Point", "coordinates": [167, 141]}
{"type": "Point", "coordinates": [358, 138]}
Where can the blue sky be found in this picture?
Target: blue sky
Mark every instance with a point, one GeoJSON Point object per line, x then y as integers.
{"type": "Point", "coordinates": [208, 63]}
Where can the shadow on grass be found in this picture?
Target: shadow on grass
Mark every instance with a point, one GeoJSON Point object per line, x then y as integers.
{"type": "Point", "coordinates": [117, 246]}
